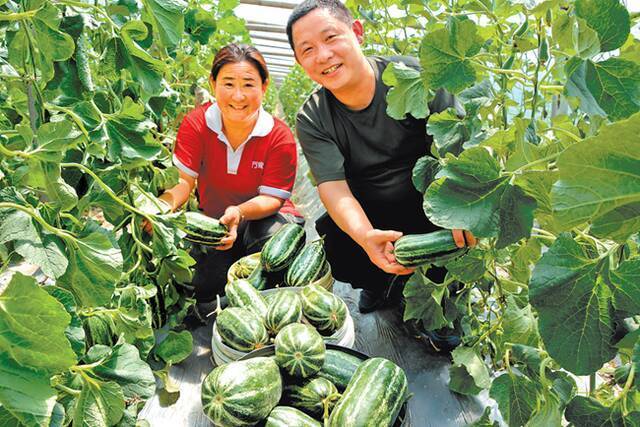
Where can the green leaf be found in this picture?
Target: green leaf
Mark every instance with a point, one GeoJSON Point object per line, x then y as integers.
{"type": "Point", "coordinates": [484, 420]}
{"type": "Point", "coordinates": [574, 36]}
{"type": "Point", "coordinates": [407, 93]}
{"type": "Point", "coordinates": [32, 327]}
{"type": "Point", "coordinates": [626, 286]}
{"type": "Point", "coordinates": [469, 267]}
{"type": "Point", "coordinates": [25, 393]}
{"type": "Point", "coordinates": [38, 247]}
{"type": "Point", "coordinates": [598, 175]}
{"type": "Point", "coordinates": [168, 19]}
{"type": "Point", "coordinates": [610, 87]}
{"type": "Point", "coordinates": [516, 397]}
{"type": "Point", "coordinates": [609, 18]}
{"type": "Point", "coordinates": [74, 332]}
{"type": "Point", "coordinates": [619, 224]}
{"type": "Point", "coordinates": [128, 131]}
{"type": "Point", "coordinates": [574, 308]}
{"type": "Point", "coordinates": [177, 267]}
{"type": "Point", "coordinates": [8, 420]}
{"type": "Point", "coordinates": [123, 365]}
{"type": "Point", "coordinates": [423, 300]}
{"type": "Point", "coordinates": [588, 412]}
{"type": "Point", "coordinates": [99, 404]}
{"type": "Point", "coordinates": [461, 382]}
{"type": "Point", "coordinates": [549, 413]}
{"type": "Point", "coordinates": [45, 176]}
{"type": "Point", "coordinates": [176, 347]}
{"type": "Point", "coordinates": [516, 216]}
{"type": "Point", "coordinates": [449, 132]}
{"type": "Point", "coordinates": [470, 359]}
{"type": "Point", "coordinates": [53, 139]}
{"type": "Point", "coordinates": [200, 25]}
{"type": "Point", "coordinates": [95, 265]}
{"type": "Point", "coordinates": [424, 172]}
{"type": "Point", "coordinates": [473, 165]}
{"type": "Point", "coordinates": [126, 53]}
{"type": "Point", "coordinates": [445, 55]}
{"type": "Point", "coordinates": [519, 325]}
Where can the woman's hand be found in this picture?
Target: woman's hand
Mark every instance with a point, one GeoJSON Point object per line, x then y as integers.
{"type": "Point", "coordinates": [162, 208]}
{"type": "Point", "coordinates": [463, 238]}
{"type": "Point", "coordinates": [232, 217]}
{"type": "Point", "coordinates": [378, 245]}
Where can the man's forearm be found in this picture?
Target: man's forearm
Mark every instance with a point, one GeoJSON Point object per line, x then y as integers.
{"type": "Point", "coordinates": [345, 210]}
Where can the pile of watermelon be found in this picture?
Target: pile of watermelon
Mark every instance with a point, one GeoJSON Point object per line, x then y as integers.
{"type": "Point", "coordinates": [304, 384]}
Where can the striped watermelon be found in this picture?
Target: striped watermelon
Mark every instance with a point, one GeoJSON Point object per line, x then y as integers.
{"type": "Point", "coordinates": [374, 396]}
{"type": "Point", "coordinates": [241, 293]}
{"type": "Point", "coordinates": [286, 416]}
{"type": "Point", "coordinates": [307, 265]}
{"type": "Point", "coordinates": [299, 350]}
{"type": "Point", "coordinates": [315, 397]}
{"type": "Point", "coordinates": [324, 310]}
{"type": "Point", "coordinates": [241, 393]}
{"type": "Point", "coordinates": [339, 367]}
{"type": "Point", "coordinates": [282, 247]}
{"type": "Point", "coordinates": [241, 329]}
{"type": "Point", "coordinates": [285, 307]}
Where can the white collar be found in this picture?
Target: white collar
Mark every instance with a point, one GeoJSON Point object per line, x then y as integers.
{"type": "Point", "coordinates": [263, 126]}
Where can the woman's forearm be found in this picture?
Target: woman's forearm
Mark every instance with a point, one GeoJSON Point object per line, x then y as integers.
{"type": "Point", "coordinates": [260, 206]}
{"type": "Point", "coordinates": [178, 195]}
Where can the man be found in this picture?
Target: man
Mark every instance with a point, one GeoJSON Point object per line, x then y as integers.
{"type": "Point", "coordinates": [360, 157]}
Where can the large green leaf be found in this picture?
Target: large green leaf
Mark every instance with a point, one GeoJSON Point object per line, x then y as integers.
{"type": "Point", "coordinates": [45, 176]}
{"type": "Point", "coordinates": [37, 246]}
{"type": "Point", "coordinates": [176, 347]}
{"type": "Point", "coordinates": [95, 265]}
{"type": "Point", "coordinates": [445, 55]}
{"type": "Point", "coordinates": [470, 194]}
{"type": "Point", "coordinates": [123, 365]}
{"type": "Point", "coordinates": [626, 286]}
{"type": "Point", "coordinates": [423, 300]}
{"type": "Point", "coordinates": [408, 94]}
{"type": "Point", "coordinates": [599, 175]}
{"type": "Point", "coordinates": [588, 412]}
{"type": "Point", "coordinates": [74, 332]}
{"type": "Point", "coordinates": [424, 172]}
{"type": "Point", "coordinates": [519, 325]}
{"type": "Point", "coordinates": [610, 87]}
{"type": "Point", "coordinates": [32, 327]}
{"type": "Point", "coordinates": [574, 307]}
{"type": "Point", "coordinates": [53, 139]}
{"type": "Point", "coordinates": [200, 24]}
{"type": "Point", "coordinates": [25, 393]}
{"type": "Point", "coordinates": [574, 36]}
{"type": "Point", "coordinates": [469, 267]}
{"type": "Point", "coordinates": [609, 18]}
{"type": "Point", "coordinates": [516, 397]}
{"type": "Point", "coordinates": [124, 52]}
{"type": "Point", "coordinates": [619, 224]}
{"type": "Point", "coordinates": [100, 404]}
{"type": "Point", "coordinates": [129, 133]}
{"type": "Point", "coordinates": [450, 132]}
{"type": "Point", "coordinates": [471, 361]}
{"type": "Point", "coordinates": [461, 382]}
{"type": "Point", "coordinates": [168, 19]}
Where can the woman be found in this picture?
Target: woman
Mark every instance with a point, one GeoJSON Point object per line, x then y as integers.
{"type": "Point", "coordinates": [243, 160]}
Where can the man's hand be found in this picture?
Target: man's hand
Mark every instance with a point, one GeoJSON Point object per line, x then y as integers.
{"type": "Point", "coordinates": [463, 238]}
{"type": "Point", "coordinates": [231, 218]}
{"type": "Point", "coordinates": [378, 244]}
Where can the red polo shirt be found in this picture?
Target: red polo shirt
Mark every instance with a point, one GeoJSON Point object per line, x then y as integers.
{"type": "Point", "coordinates": [264, 164]}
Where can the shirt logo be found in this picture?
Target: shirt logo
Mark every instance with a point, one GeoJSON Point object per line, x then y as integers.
{"type": "Point", "coordinates": [257, 165]}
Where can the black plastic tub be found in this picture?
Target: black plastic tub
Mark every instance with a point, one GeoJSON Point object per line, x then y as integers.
{"type": "Point", "coordinates": [403, 416]}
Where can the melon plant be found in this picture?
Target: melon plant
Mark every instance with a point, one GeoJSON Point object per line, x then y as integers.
{"type": "Point", "coordinates": [300, 350]}
{"type": "Point", "coordinates": [241, 393]}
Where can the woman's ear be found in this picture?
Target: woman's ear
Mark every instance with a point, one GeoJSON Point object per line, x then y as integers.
{"type": "Point", "coordinates": [212, 85]}
{"type": "Point", "coordinates": [265, 86]}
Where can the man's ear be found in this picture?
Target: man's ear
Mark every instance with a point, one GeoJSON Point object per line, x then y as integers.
{"type": "Point", "coordinates": [358, 30]}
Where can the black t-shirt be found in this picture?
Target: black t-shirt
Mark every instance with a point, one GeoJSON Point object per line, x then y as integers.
{"type": "Point", "coordinates": [374, 153]}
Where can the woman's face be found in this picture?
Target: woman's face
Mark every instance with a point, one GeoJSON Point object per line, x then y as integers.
{"type": "Point", "coordinates": [239, 90]}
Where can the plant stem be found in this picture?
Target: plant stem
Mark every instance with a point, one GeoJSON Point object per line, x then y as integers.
{"type": "Point", "coordinates": [68, 390]}
{"type": "Point", "coordinates": [566, 132]}
{"type": "Point", "coordinates": [76, 119]}
{"type": "Point", "coordinates": [107, 189]}
{"type": "Point", "coordinates": [10, 153]}
{"type": "Point", "coordinates": [35, 215]}
{"type": "Point", "coordinates": [534, 101]}
{"type": "Point", "coordinates": [537, 162]}
{"type": "Point", "coordinates": [18, 16]}
{"type": "Point", "coordinates": [592, 384]}
{"type": "Point", "coordinates": [625, 390]}
{"type": "Point", "coordinates": [140, 243]}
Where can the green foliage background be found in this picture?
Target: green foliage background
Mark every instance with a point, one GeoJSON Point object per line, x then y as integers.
{"type": "Point", "coordinates": [544, 167]}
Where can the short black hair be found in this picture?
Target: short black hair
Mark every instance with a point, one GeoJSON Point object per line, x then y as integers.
{"type": "Point", "coordinates": [335, 8]}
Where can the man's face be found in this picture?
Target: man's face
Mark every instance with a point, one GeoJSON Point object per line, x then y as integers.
{"type": "Point", "coordinates": [327, 48]}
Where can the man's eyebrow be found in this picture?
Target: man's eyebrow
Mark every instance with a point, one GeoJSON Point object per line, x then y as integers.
{"type": "Point", "coordinates": [325, 30]}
